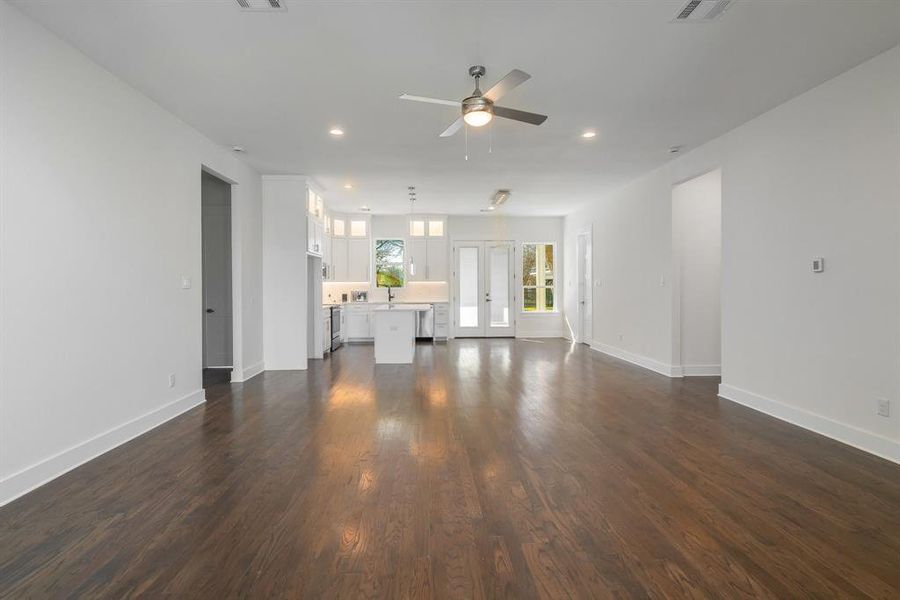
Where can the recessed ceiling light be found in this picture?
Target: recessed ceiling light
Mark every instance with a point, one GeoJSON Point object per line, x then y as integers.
{"type": "Point", "coordinates": [348, 186]}
{"type": "Point", "coordinates": [237, 149]}
{"type": "Point", "coordinates": [674, 149]}
{"type": "Point", "coordinates": [336, 131]}
{"type": "Point", "coordinates": [365, 209]}
{"type": "Point", "coordinates": [589, 134]}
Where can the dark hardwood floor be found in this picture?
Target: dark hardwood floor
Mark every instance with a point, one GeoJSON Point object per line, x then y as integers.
{"type": "Point", "coordinates": [488, 469]}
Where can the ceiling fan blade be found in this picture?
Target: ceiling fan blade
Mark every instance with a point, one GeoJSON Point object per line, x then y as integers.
{"type": "Point", "coordinates": [454, 127]}
{"type": "Point", "coordinates": [519, 115]}
{"type": "Point", "coordinates": [430, 100]}
{"type": "Point", "coordinates": [513, 79]}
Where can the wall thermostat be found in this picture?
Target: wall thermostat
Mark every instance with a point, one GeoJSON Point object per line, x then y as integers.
{"type": "Point", "coordinates": [818, 265]}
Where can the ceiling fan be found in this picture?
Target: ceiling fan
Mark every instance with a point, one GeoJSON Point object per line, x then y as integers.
{"type": "Point", "coordinates": [478, 109]}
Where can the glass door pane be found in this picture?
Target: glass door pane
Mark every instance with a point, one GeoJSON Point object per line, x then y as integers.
{"type": "Point", "coordinates": [468, 282]}
{"type": "Point", "coordinates": [498, 290]}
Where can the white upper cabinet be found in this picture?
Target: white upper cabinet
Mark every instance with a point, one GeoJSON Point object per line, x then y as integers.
{"type": "Point", "coordinates": [436, 226]}
{"type": "Point", "coordinates": [358, 260]}
{"type": "Point", "coordinates": [428, 249]}
{"type": "Point", "coordinates": [315, 222]}
{"type": "Point", "coordinates": [340, 253]}
{"type": "Point", "coordinates": [416, 227]}
{"type": "Point", "coordinates": [350, 249]}
{"type": "Point", "coordinates": [315, 236]}
{"type": "Point", "coordinates": [359, 227]}
{"type": "Point", "coordinates": [438, 258]}
{"type": "Point", "coordinates": [418, 259]}
{"type": "Point", "coordinates": [427, 226]}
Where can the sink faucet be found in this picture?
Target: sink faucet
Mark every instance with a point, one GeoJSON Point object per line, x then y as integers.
{"type": "Point", "coordinates": [390, 295]}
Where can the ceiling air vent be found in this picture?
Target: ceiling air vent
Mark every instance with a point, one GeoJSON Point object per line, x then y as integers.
{"type": "Point", "coordinates": [702, 11]}
{"type": "Point", "coordinates": [261, 5]}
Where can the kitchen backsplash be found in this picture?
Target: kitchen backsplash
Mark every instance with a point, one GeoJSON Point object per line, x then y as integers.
{"type": "Point", "coordinates": [415, 291]}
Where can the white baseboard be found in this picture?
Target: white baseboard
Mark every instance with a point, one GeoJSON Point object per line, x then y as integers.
{"type": "Point", "coordinates": [698, 370]}
{"type": "Point", "coordinates": [847, 434]}
{"type": "Point", "coordinates": [641, 361]}
{"type": "Point", "coordinates": [26, 480]}
{"type": "Point", "coordinates": [250, 372]}
{"type": "Point", "coordinates": [541, 334]}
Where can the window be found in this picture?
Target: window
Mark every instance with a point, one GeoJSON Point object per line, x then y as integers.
{"type": "Point", "coordinates": [338, 227]}
{"type": "Point", "coordinates": [538, 278]}
{"type": "Point", "coordinates": [389, 261]}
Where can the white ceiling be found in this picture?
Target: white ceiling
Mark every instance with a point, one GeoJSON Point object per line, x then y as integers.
{"type": "Point", "coordinates": [276, 82]}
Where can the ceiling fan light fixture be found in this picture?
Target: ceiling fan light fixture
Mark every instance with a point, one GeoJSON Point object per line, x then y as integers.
{"type": "Point", "coordinates": [477, 111]}
{"type": "Point", "coordinates": [478, 118]}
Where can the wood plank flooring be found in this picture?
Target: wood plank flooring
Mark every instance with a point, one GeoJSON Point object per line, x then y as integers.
{"type": "Point", "coordinates": [488, 469]}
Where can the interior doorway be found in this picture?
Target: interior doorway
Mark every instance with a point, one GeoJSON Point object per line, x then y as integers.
{"type": "Point", "coordinates": [585, 289]}
{"type": "Point", "coordinates": [483, 300]}
{"type": "Point", "coordinates": [697, 253]}
{"type": "Point", "coordinates": [218, 358]}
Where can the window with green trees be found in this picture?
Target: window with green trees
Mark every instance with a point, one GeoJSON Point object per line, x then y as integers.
{"type": "Point", "coordinates": [538, 278]}
{"type": "Point", "coordinates": [389, 263]}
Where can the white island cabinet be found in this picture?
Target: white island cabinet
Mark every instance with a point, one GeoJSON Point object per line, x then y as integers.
{"type": "Point", "coordinates": [395, 332]}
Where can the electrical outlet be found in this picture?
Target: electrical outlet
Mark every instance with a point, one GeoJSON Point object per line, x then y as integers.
{"type": "Point", "coordinates": [171, 379]}
{"type": "Point", "coordinates": [884, 407]}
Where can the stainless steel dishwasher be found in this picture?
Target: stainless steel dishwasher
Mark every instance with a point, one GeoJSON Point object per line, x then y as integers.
{"type": "Point", "coordinates": [425, 324]}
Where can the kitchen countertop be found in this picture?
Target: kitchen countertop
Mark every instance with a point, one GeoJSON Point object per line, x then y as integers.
{"type": "Point", "coordinates": [403, 307]}
{"type": "Point", "coordinates": [429, 302]}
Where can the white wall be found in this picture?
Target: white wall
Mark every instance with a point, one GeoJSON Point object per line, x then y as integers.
{"type": "Point", "coordinates": [99, 221]}
{"type": "Point", "coordinates": [816, 176]}
{"type": "Point", "coordinates": [697, 257]}
{"type": "Point", "coordinates": [285, 272]}
{"type": "Point", "coordinates": [521, 230]}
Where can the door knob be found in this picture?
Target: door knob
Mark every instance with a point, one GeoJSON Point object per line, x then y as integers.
{"type": "Point", "coordinates": [209, 310]}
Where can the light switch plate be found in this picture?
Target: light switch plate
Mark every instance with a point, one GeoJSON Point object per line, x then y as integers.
{"type": "Point", "coordinates": [884, 407]}
{"type": "Point", "coordinates": [818, 265]}
{"type": "Point", "coordinates": [185, 282]}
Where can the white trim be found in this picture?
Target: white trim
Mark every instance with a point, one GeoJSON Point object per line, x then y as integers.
{"type": "Point", "coordinates": [30, 478]}
{"type": "Point", "coordinates": [248, 373]}
{"type": "Point", "coordinates": [636, 359]}
{"type": "Point", "coordinates": [698, 370]}
{"type": "Point", "coordinates": [847, 434]}
{"type": "Point", "coordinates": [550, 333]}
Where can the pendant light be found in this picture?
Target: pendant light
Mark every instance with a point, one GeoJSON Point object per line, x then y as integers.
{"type": "Point", "coordinates": [412, 206]}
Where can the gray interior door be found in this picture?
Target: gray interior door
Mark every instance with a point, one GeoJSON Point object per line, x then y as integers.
{"type": "Point", "coordinates": [217, 314]}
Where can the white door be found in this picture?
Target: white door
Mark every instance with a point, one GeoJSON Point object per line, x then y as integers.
{"type": "Point", "coordinates": [585, 290]}
{"type": "Point", "coordinates": [217, 330]}
{"type": "Point", "coordinates": [484, 303]}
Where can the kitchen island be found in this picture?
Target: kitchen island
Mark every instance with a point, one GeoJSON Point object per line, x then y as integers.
{"type": "Point", "coordinates": [395, 332]}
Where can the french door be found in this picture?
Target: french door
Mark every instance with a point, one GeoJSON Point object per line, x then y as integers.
{"type": "Point", "coordinates": [484, 299]}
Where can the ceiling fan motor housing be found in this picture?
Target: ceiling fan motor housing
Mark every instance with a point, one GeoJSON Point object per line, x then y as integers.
{"type": "Point", "coordinates": [477, 103]}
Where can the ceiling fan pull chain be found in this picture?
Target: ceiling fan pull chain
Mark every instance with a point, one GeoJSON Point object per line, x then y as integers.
{"type": "Point", "coordinates": [466, 127]}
